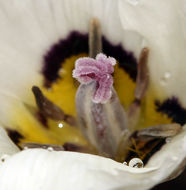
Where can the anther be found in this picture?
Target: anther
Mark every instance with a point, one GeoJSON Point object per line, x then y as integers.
{"type": "Point", "coordinates": [160, 131]}
{"type": "Point", "coordinates": [43, 146]}
{"type": "Point", "coordinates": [95, 38]}
{"type": "Point", "coordinates": [141, 88]}
{"type": "Point", "coordinates": [65, 147]}
{"type": "Point", "coordinates": [143, 75]}
{"type": "Point", "coordinates": [49, 109]}
{"type": "Point", "coordinates": [46, 107]}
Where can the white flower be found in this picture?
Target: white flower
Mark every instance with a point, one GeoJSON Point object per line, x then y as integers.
{"type": "Point", "coordinates": [28, 30]}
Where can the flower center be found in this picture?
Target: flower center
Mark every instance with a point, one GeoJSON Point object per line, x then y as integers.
{"type": "Point", "coordinates": [54, 119]}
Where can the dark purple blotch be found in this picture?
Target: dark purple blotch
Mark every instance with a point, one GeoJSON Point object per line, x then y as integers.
{"type": "Point", "coordinates": [14, 135]}
{"type": "Point", "coordinates": [77, 43]}
{"type": "Point", "coordinates": [173, 109]}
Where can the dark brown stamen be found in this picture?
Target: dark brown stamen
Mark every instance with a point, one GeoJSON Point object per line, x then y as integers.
{"type": "Point", "coordinates": [142, 148]}
{"type": "Point", "coordinates": [141, 88]}
{"type": "Point", "coordinates": [46, 107]}
{"type": "Point", "coordinates": [49, 110]}
{"type": "Point", "coordinates": [43, 146]}
{"type": "Point", "coordinates": [79, 148]}
{"type": "Point", "coordinates": [146, 142]}
{"type": "Point", "coordinates": [66, 147]}
{"type": "Point", "coordinates": [70, 120]}
{"type": "Point", "coordinates": [161, 131]}
{"type": "Point", "coordinates": [143, 75]}
{"type": "Point", "coordinates": [95, 41]}
{"type": "Point", "coordinates": [42, 119]}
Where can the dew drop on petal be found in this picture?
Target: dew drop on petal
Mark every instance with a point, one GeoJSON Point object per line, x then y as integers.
{"type": "Point", "coordinates": [4, 157]}
{"type": "Point", "coordinates": [125, 163]}
{"type": "Point", "coordinates": [136, 163]}
{"type": "Point", "coordinates": [167, 75]}
{"type": "Point", "coordinates": [168, 139]}
{"type": "Point", "coordinates": [50, 149]}
{"type": "Point", "coordinates": [165, 78]}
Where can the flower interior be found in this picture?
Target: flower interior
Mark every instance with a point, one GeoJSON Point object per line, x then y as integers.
{"type": "Point", "coordinates": [112, 111]}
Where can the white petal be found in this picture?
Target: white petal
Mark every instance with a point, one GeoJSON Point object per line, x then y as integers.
{"type": "Point", "coordinates": [42, 169]}
{"type": "Point", "coordinates": [162, 24]}
{"type": "Point", "coordinates": [45, 170]}
{"type": "Point", "coordinates": [6, 145]}
{"type": "Point", "coordinates": [170, 156]}
{"type": "Point", "coordinates": [30, 27]}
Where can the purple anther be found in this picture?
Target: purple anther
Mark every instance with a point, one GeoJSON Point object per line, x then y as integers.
{"type": "Point", "coordinates": [99, 69]}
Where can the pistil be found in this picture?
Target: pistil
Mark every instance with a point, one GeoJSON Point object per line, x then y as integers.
{"type": "Point", "coordinates": [101, 117]}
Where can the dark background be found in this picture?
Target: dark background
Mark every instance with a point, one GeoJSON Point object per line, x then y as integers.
{"type": "Point", "coordinates": [179, 183]}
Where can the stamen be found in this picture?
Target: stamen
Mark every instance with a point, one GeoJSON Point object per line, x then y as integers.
{"type": "Point", "coordinates": [161, 131]}
{"type": "Point", "coordinates": [66, 147]}
{"type": "Point", "coordinates": [43, 146]}
{"type": "Point", "coordinates": [79, 148]}
{"type": "Point", "coordinates": [46, 107]}
{"type": "Point", "coordinates": [143, 75]}
{"type": "Point", "coordinates": [95, 41]}
{"type": "Point", "coordinates": [49, 109]}
{"type": "Point", "coordinates": [146, 142]}
{"type": "Point", "coordinates": [141, 88]}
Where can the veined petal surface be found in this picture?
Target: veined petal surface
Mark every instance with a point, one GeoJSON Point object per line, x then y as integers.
{"type": "Point", "coordinates": [162, 24]}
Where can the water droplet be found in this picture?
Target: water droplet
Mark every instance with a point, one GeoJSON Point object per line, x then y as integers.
{"type": "Point", "coordinates": [60, 125]}
{"type": "Point", "coordinates": [50, 149]}
{"type": "Point", "coordinates": [4, 157]}
{"type": "Point", "coordinates": [168, 139]}
{"type": "Point", "coordinates": [125, 163]}
{"type": "Point", "coordinates": [165, 78]}
{"type": "Point", "coordinates": [136, 163]}
{"type": "Point", "coordinates": [167, 75]}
